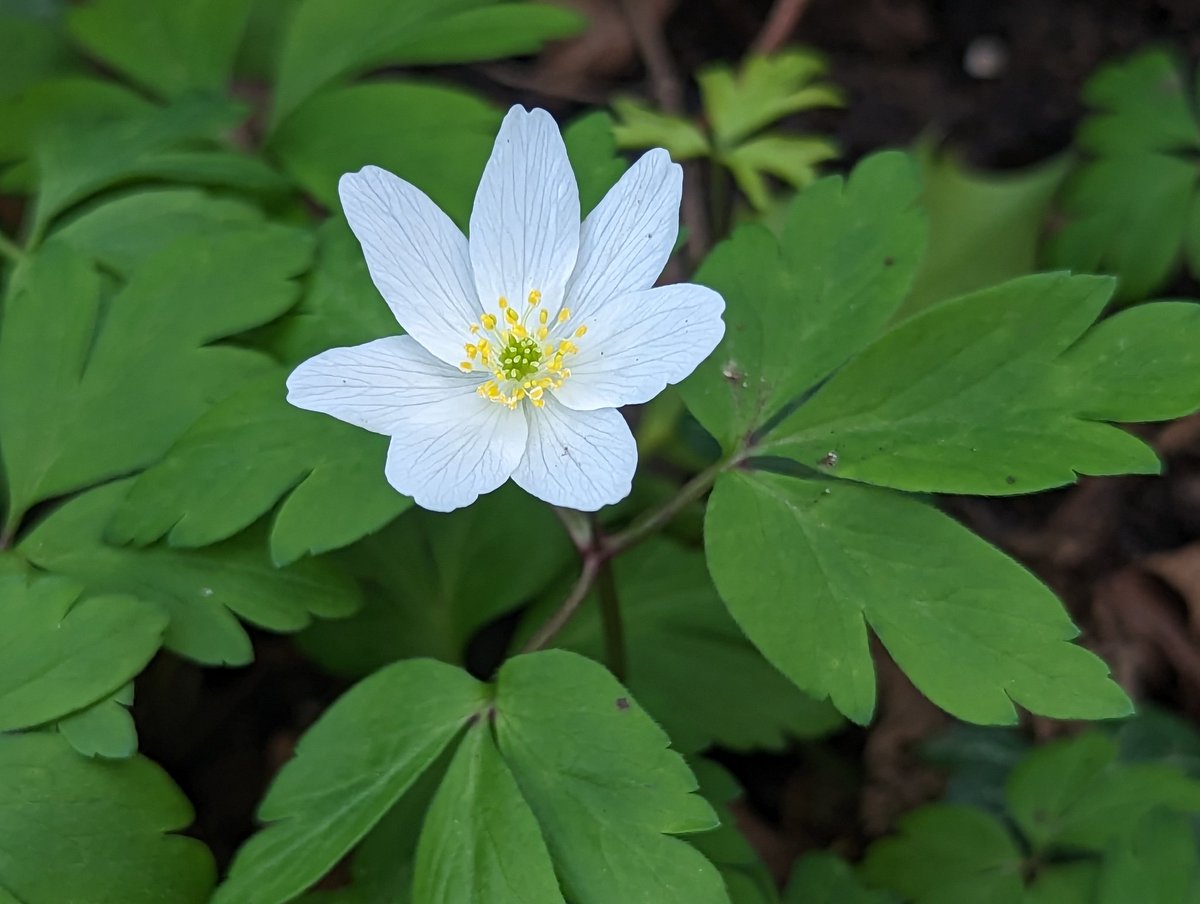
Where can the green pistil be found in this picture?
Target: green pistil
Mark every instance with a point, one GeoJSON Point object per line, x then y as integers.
{"type": "Point", "coordinates": [520, 358]}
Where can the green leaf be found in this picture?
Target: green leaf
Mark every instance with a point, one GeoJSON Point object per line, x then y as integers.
{"type": "Point", "coordinates": [763, 90]}
{"type": "Point", "coordinates": [123, 231]}
{"type": "Point", "coordinates": [480, 841]}
{"type": "Point", "coordinates": [592, 148]}
{"type": "Point", "coordinates": [200, 589]}
{"type": "Point", "coordinates": [427, 594]}
{"type": "Point", "coordinates": [78, 830]}
{"type": "Point", "coordinates": [103, 729]}
{"type": "Point", "coordinates": [800, 307]}
{"type": "Point", "coordinates": [746, 877]}
{"type": "Point", "coordinates": [128, 377]}
{"type": "Point", "coordinates": [168, 48]}
{"type": "Point", "coordinates": [442, 148]}
{"type": "Point", "coordinates": [803, 563]}
{"type": "Point", "coordinates": [328, 474]}
{"type": "Point", "coordinates": [639, 127]}
{"type": "Point", "coordinates": [62, 650]}
{"type": "Point", "coordinates": [947, 855]}
{"type": "Point", "coordinates": [788, 157]}
{"type": "Point", "coordinates": [963, 398]}
{"type": "Point", "coordinates": [984, 227]}
{"type": "Point", "coordinates": [1158, 864]}
{"type": "Point", "coordinates": [690, 665]}
{"type": "Point", "coordinates": [1128, 210]}
{"type": "Point", "coordinates": [350, 768]}
{"type": "Point", "coordinates": [1074, 794]}
{"type": "Point", "coordinates": [606, 790]}
{"type": "Point", "coordinates": [30, 51]}
{"type": "Point", "coordinates": [823, 878]}
{"type": "Point", "coordinates": [1140, 365]}
{"type": "Point", "coordinates": [330, 40]}
{"type": "Point", "coordinates": [1064, 883]}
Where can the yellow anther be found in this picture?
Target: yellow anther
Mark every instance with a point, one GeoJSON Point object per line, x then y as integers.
{"type": "Point", "coordinates": [538, 403]}
{"type": "Point", "coordinates": [564, 315]}
{"type": "Point", "coordinates": [474, 328]}
{"type": "Point", "coordinates": [558, 362]}
{"type": "Point", "coordinates": [543, 316]}
{"type": "Point", "coordinates": [519, 331]}
{"type": "Point", "coordinates": [534, 297]}
{"type": "Point", "coordinates": [489, 321]}
{"type": "Point", "coordinates": [547, 351]}
{"type": "Point", "coordinates": [503, 302]}
{"type": "Point", "coordinates": [472, 350]}
{"type": "Point", "coordinates": [581, 332]}
{"type": "Point", "coordinates": [520, 394]}
{"type": "Point", "coordinates": [543, 332]}
{"type": "Point", "coordinates": [465, 365]}
{"type": "Point", "coordinates": [510, 314]}
{"type": "Point", "coordinates": [536, 394]}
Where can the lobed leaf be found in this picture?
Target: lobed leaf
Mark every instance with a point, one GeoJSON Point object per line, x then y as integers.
{"type": "Point", "coordinates": [103, 729]}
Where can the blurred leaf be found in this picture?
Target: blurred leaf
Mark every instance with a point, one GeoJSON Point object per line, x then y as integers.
{"type": "Point", "coordinates": [169, 48]}
{"type": "Point", "coordinates": [1129, 209]}
{"type": "Point", "coordinates": [103, 729]}
{"type": "Point", "coordinates": [789, 158]}
{"type": "Point", "coordinates": [746, 876]}
{"type": "Point", "coordinates": [78, 830]}
{"type": "Point", "coordinates": [640, 126]}
{"type": "Point", "coordinates": [823, 878]}
{"type": "Point", "coordinates": [592, 149]}
{"type": "Point", "coordinates": [1153, 735]}
{"type": "Point", "coordinates": [121, 232]}
{"type": "Point", "coordinates": [1070, 882]}
{"type": "Point", "coordinates": [965, 398]}
{"type": "Point", "coordinates": [426, 594]}
{"type": "Point", "coordinates": [130, 373]}
{"type": "Point", "coordinates": [200, 589]}
{"type": "Point", "coordinates": [441, 146]}
{"type": "Point", "coordinates": [802, 563]}
{"type": "Point", "coordinates": [350, 768]}
{"type": "Point", "coordinates": [690, 665]}
{"type": "Point", "coordinates": [329, 40]}
{"type": "Point", "coordinates": [1074, 794]}
{"type": "Point", "coordinates": [1140, 365]}
{"type": "Point", "coordinates": [943, 854]}
{"type": "Point", "coordinates": [329, 476]}
{"type": "Point", "coordinates": [61, 650]}
{"type": "Point", "coordinates": [799, 307]}
{"type": "Point", "coordinates": [30, 51]}
{"type": "Point", "coordinates": [979, 760]}
{"type": "Point", "coordinates": [1158, 864]}
{"type": "Point", "coordinates": [984, 227]}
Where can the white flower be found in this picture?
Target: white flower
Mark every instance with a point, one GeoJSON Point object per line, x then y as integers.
{"type": "Point", "coordinates": [524, 341]}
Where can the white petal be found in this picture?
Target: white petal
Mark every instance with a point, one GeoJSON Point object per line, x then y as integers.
{"type": "Point", "coordinates": [448, 444]}
{"type": "Point", "coordinates": [417, 257]}
{"type": "Point", "coordinates": [525, 223]}
{"type": "Point", "coordinates": [625, 242]}
{"type": "Point", "coordinates": [578, 459]}
{"type": "Point", "coordinates": [642, 342]}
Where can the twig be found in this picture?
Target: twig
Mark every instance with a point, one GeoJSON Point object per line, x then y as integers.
{"type": "Point", "coordinates": [610, 619]}
{"type": "Point", "coordinates": [780, 25]}
{"type": "Point", "coordinates": [570, 604]}
{"type": "Point", "coordinates": [659, 518]}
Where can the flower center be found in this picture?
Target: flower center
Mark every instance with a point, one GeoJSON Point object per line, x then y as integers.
{"type": "Point", "coordinates": [523, 351]}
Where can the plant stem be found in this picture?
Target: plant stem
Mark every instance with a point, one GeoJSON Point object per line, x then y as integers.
{"type": "Point", "coordinates": [781, 23]}
{"type": "Point", "coordinates": [568, 607]}
{"type": "Point", "coordinates": [10, 249]}
{"type": "Point", "coordinates": [658, 518]}
{"type": "Point", "coordinates": [610, 619]}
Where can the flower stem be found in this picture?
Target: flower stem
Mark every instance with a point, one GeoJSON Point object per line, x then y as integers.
{"type": "Point", "coordinates": [610, 619]}
{"type": "Point", "coordinates": [656, 519]}
{"type": "Point", "coordinates": [568, 607]}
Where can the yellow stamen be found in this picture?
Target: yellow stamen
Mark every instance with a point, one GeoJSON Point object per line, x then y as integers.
{"type": "Point", "coordinates": [564, 315]}
{"type": "Point", "coordinates": [543, 316]}
{"type": "Point", "coordinates": [534, 297]}
{"type": "Point", "coordinates": [472, 350]}
{"type": "Point", "coordinates": [489, 321]}
{"type": "Point", "coordinates": [542, 332]}
{"type": "Point", "coordinates": [510, 314]}
{"type": "Point", "coordinates": [581, 332]}
{"type": "Point", "coordinates": [466, 366]}
{"type": "Point", "coordinates": [503, 302]}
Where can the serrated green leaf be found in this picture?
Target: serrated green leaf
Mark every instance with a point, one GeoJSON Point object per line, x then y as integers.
{"type": "Point", "coordinates": [329, 476]}
{"type": "Point", "coordinates": [800, 307]}
{"type": "Point", "coordinates": [1157, 864]}
{"type": "Point", "coordinates": [124, 231]}
{"type": "Point", "coordinates": [128, 377]}
{"type": "Point", "coordinates": [200, 589]}
{"type": "Point", "coordinates": [480, 841]}
{"type": "Point", "coordinates": [763, 90]}
{"type": "Point", "coordinates": [350, 768]}
{"type": "Point", "coordinates": [690, 665]}
{"type": "Point", "coordinates": [427, 594]}
{"type": "Point", "coordinates": [606, 790]}
{"type": "Point", "coordinates": [790, 158]}
{"type": "Point", "coordinates": [823, 878]}
{"type": "Point", "coordinates": [946, 854]}
{"type": "Point", "coordinates": [445, 141]}
{"type": "Point", "coordinates": [1140, 365]}
{"type": "Point", "coordinates": [103, 729]}
{"type": "Point", "coordinates": [78, 830]}
{"type": "Point", "coordinates": [964, 398]}
{"type": "Point", "coordinates": [984, 227]}
{"type": "Point", "coordinates": [639, 127]}
{"type": "Point", "coordinates": [592, 149]}
{"type": "Point", "coordinates": [168, 48]}
{"type": "Point", "coordinates": [328, 40]}
{"type": "Point", "coordinates": [1074, 794]}
{"type": "Point", "coordinates": [1127, 210]}
{"type": "Point", "coordinates": [61, 650]}
{"type": "Point", "coordinates": [803, 563]}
